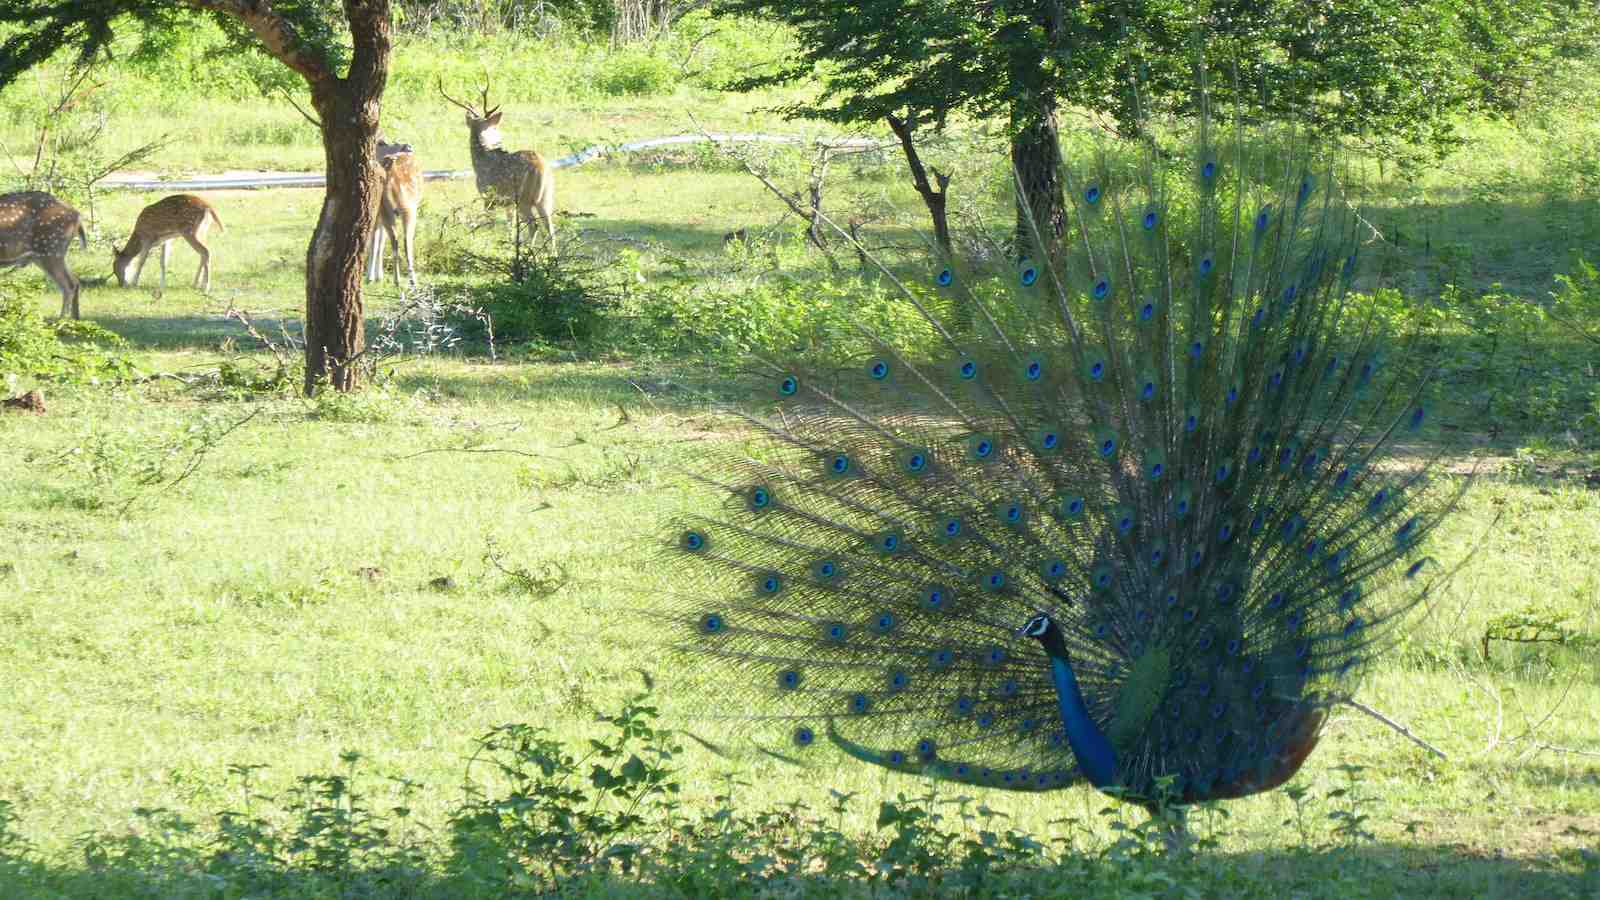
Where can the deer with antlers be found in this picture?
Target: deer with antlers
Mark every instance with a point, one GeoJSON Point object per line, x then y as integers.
{"type": "Point", "coordinates": [520, 177]}
{"type": "Point", "coordinates": [402, 192]}
{"type": "Point", "coordinates": [36, 227]}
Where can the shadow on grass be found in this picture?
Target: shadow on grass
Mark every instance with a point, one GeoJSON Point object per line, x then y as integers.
{"type": "Point", "coordinates": [135, 867]}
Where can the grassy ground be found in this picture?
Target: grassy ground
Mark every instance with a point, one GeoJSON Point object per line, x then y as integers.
{"type": "Point", "coordinates": [323, 582]}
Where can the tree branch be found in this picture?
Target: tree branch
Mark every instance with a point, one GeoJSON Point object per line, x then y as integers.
{"type": "Point", "coordinates": [277, 34]}
{"type": "Point", "coordinates": [1401, 729]}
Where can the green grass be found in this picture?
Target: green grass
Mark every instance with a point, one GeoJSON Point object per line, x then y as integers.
{"type": "Point", "coordinates": [278, 607]}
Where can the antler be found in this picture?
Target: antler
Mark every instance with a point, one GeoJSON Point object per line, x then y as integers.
{"type": "Point", "coordinates": [470, 111]}
{"type": "Point", "coordinates": [484, 93]}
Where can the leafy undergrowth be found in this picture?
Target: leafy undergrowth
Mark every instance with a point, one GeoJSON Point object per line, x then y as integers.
{"type": "Point", "coordinates": [538, 816]}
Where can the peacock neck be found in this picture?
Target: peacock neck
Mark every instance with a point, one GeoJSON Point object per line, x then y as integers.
{"type": "Point", "coordinates": [1096, 757]}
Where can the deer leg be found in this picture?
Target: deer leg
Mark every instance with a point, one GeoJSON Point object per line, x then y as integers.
{"type": "Point", "coordinates": [411, 248]}
{"type": "Point", "coordinates": [394, 247]}
{"type": "Point", "coordinates": [57, 270]}
{"type": "Point", "coordinates": [166, 250]}
{"type": "Point", "coordinates": [202, 275]}
{"type": "Point", "coordinates": [139, 270]}
{"type": "Point", "coordinates": [548, 215]}
{"type": "Point", "coordinates": [375, 253]}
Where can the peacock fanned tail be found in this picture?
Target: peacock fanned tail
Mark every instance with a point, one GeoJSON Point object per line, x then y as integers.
{"type": "Point", "coordinates": [1138, 526]}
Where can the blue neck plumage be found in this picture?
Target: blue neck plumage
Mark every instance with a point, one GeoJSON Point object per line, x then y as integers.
{"type": "Point", "coordinates": [1096, 757]}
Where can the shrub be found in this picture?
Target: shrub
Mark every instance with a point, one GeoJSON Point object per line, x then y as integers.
{"type": "Point", "coordinates": [65, 351]}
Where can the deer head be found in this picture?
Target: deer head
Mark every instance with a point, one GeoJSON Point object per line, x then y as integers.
{"type": "Point", "coordinates": [484, 124]}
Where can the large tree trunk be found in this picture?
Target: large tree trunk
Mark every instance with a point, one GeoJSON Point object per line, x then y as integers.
{"type": "Point", "coordinates": [1035, 142]}
{"type": "Point", "coordinates": [1036, 157]}
{"type": "Point", "coordinates": [336, 257]}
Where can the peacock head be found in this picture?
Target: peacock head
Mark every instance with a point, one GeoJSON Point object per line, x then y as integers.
{"type": "Point", "coordinates": [1044, 629]}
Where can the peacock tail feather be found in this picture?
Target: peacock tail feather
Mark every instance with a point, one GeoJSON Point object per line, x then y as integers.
{"type": "Point", "coordinates": [1143, 520]}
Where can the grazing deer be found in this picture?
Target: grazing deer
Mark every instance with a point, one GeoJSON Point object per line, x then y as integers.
{"type": "Point", "coordinates": [521, 177]}
{"type": "Point", "coordinates": [402, 191]}
{"type": "Point", "coordinates": [181, 215]}
{"type": "Point", "coordinates": [36, 227]}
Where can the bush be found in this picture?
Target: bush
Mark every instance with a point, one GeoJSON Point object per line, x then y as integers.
{"type": "Point", "coordinates": [549, 300]}
{"type": "Point", "coordinates": [63, 351]}
{"type": "Point", "coordinates": [638, 73]}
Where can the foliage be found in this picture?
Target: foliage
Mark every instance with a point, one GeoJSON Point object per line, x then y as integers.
{"type": "Point", "coordinates": [1353, 67]}
{"type": "Point", "coordinates": [63, 350]}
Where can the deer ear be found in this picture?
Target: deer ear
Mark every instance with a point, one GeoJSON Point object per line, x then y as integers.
{"type": "Point", "coordinates": [494, 118]}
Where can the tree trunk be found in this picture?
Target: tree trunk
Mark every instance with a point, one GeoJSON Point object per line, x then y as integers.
{"type": "Point", "coordinates": [932, 198]}
{"type": "Point", "coordinates": [336, 257]}
{"type": "Point", "coordinates": [1035, 142]}
{"type": "Point", "coordinates": [1036, 157]}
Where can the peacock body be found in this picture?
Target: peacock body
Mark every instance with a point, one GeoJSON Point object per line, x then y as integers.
{"type": "Point", "coordinates": [1138, 526]}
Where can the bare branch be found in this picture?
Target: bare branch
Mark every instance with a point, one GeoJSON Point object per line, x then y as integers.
{"type": "Point", "coordinates": [1401, 729]}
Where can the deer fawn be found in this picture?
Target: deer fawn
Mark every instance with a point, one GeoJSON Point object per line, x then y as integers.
{"type": "Point", "coordinates": [181, 215]}
{"type": "Point", "coordinates": [402, 191]}
{"type": "Point", "coordinates": [522, 177]}
{"type": "Point", "coordinates": [36, 227]}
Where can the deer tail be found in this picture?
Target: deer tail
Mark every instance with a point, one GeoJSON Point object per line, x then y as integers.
{"type": "Point", "coordinates": [212, 211]}
{"type": "Point", "coordinates": [83, 236]}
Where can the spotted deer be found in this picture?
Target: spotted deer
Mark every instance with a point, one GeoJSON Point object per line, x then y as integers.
{"type": "Point", "coordinates": [36, 227]}
{"type": "Point", "coordinates": [180, 215]}
{"type": "Point", "coordinates": [521, 177]}
{"type": "Point", "coordinates": [402, 191]}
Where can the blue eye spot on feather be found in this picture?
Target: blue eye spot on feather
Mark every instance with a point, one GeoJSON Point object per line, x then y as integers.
{"type": "Point", "coordinates": [1033, 371]}
{"type": "Point", "coordinates": [840, 464]}
{"type": "Point", "coordinates": [1155, 470]}
{"type": "Point", "coordinates": [1029, 275]}
{"type": "Point", "coordinates": [1306, 184]}
{"type": "Point", "coordinates": [860, 703]}
{"type": "Point", "coordinates": [1276, 601]}
{"type": "Point", "coordinates": [1108, 444]}
{"type": "Point", "coordinates": [1147, 311]}
{"type": "Point", "coordinates": [927, 750]}
{"type": "Point", "coordinates": [1072, 507]}
{"type": "Point", "coordinates": [789, 679]}
{"type": "Point", "coordinates": [1342, 479]}
{"type": "Point", "coordinates": [968, 370]}
{"type": "Point", "coordinates": [1171, 599]}
{"type": "Point", "coordinates": [1404, 532]}
{"type": "Point", "coordinates": [1101, 289]}
{"type": "Point", "coordinates": [788, 386]}
{"type": "Point", "coordinates": [1188, 616]}
{"type": "Point", "coordinates": [1009, 688]}
{"type": "Point", "coordinates": [1196, 557]}
{"type": "Point", "coordinates": [888, 542]}
{"type": "Point", "coordinates": [1417, 415]}
{"type": "Point", "coordinates": [1225, 532]}
{"type": "Point", "coordinates": [758, 498]}
{"type": "Point", "coordinates": [896, 758]}
{"type": "Point", "coordinates": [1235, 646]}
{"type": "Point", "coordinates": [1288, 294]}
{"type": "Point", "coordinates": [1262, 218]}
{"type": "Point", "coordinates": [995, 580]}
{"type": "Point", "coordinates": [878, 370]}
{"type": "Point", "coordinates": [825, 570]}
{"type": "Point", "coordinates": [1181, 506]}
{"type": "Point", "coordinates": [1151, 219]}
{"type": "Point", "coordinates": [1414, 568]}
{"type": "Point", "coordinates": [916, 462]}
{"type": "Point", "coordinates": [1208, 170]}
{"type": "Point", "coordinates": [1331, 367]}
{"type": "Point", "coordinates": [1092, 195]}
{"type": "Point", "coordinates": [1224, 593]}
{"type": "Point", "coordinates": [1191, 422]}
{"type": "Point", "coordinates": [952, 528]}
{"type": "Point", "coordinates": [995, 656]}
{"type": "Point", "coordinates": [1353, 626]}
{"type": "Point", "coordinates": [1257, 317]}
{"type": "Point", "coordinates": [980, 447]}
{"type": "Point", "coordinates": [899, 681]}
{"type": "Point", "coordinates": [1148, 391]}
{"type": "Point", "coordinates": [1349, 598]}
{"type": "Point", "coordinates": [1053, 570]}
{"type": "Point", "coordinates": [1011, 513]}
{"type": "Point", "coordinates": [1124, 521]}
{"type": "Point", "coordinates": [1157, 556]}
{"type": "Point", "coordinates": [1291, 527]}
{"type": "Point", "coordinates": [693, 541]}
{"type": "Point", "coordinates": [1097, 370]}
{"type": "Point", "coordinates": [935, 598]}
{"type": "Point", "coordinates": [884, 623]}
{"type": "Point", "coordinates": [1206, 265]}
{"type": "Point", "coordinates": [1048, 440]}
{"type": "Point", "coordinates": [944, 277]}
{"type": "Point", "coordinates": [771, 583]}
{"type": "Point", "coordinates": [1102, 577]}
{"type": "Point", "coordinates": [1223, 471]}
{"type": "Point", "coordinates": [1196, 350]}
{"type": "Point", "coordinates": [804, 737]}
{"type": "Point", "coordinates": [1311, 548]}
{"type": "Point", "coordinates": [1232, 396]}
{"type": "Point", "coordinates": [1378, 499]}
{"type": "Point", "coordinates": [712, 623]}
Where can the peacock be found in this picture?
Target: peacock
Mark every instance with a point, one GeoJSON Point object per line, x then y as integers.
{"type": "Point", "coordinates": [1140, 518]}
